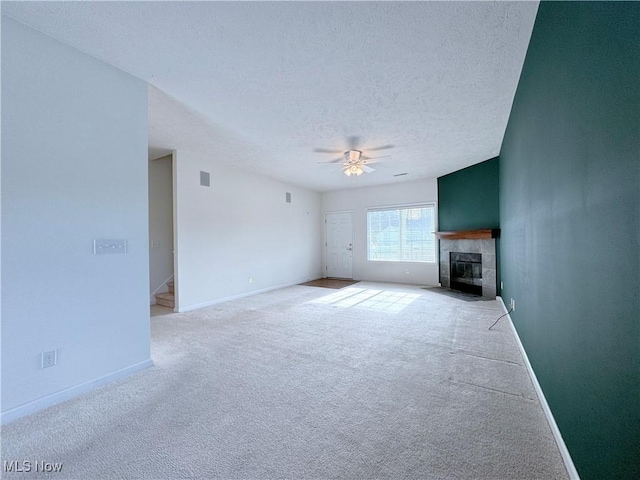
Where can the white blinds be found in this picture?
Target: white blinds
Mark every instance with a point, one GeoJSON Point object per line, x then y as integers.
{"type": "Point", "coordinates": [402, 234]}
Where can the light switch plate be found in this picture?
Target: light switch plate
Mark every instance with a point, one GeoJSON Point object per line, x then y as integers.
{"type": "Point", "coordinates": [102, 246]}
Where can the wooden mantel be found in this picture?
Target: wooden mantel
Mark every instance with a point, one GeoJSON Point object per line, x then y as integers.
{"type": "Point", "coordinates": [469, 234]}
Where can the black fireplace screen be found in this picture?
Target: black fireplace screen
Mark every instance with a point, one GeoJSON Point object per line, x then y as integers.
{"type": "Point", "coordinates": [466, 272]}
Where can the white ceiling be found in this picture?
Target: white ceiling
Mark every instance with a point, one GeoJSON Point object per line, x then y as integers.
{"type": "Point", "coordinates": [261, 85]}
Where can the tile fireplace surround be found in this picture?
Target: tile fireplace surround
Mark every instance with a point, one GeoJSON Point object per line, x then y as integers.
{"type": "Point", "coordinates": [485, 246]}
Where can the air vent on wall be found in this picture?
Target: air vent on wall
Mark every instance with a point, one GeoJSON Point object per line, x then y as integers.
{"type": "Point", "coordinates": [205, 179]}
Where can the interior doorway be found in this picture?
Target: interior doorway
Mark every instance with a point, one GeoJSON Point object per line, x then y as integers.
{"type": "Point", "coordinates": [339, 244]}
{"type": "Point", "coordinates": [161, 232]}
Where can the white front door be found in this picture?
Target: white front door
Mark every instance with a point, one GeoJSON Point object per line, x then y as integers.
{"type": "Point", "coordinates": [339, 235]}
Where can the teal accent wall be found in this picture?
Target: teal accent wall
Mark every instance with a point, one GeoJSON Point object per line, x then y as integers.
{"type": "Point", "coordinates": [570, 221]}
{"type": "Point", "coordinates": [468, 198]}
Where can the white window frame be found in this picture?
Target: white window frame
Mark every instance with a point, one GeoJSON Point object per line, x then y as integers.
{"type": "Point", "coordinates": [403, 207]}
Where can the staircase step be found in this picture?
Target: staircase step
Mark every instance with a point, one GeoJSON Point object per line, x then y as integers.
{"type": "Point", "coordinates": [166, 299]}
{"type": "Point", "coordinates": [171, 286]}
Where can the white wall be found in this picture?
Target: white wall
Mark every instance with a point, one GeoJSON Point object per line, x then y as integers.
{"type": "Point", "coordinates": [74, 168]}
{"type": "Point", "coordinates": [358, 200]}
{"type": "Point", "coordinates": [160, 225]}
{"type": "Point", "coordinates": [237, 228]}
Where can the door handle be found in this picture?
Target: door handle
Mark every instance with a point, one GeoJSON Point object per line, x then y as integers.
{"type": "Point", "coordinates": [349, 248]}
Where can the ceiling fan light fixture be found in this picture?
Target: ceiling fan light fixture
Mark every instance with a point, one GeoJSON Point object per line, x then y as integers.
{"type": "Point", "coordinates": [353, 167]}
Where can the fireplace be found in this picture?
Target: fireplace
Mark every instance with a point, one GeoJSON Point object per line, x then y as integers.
{"type": "Point", "coordinates": [475, 270]}
{"type": "Point", "coordinates": [466, 272]}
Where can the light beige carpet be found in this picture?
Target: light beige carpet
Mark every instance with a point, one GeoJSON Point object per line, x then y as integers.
{"type": "Point", "coordinates": [370, 381]}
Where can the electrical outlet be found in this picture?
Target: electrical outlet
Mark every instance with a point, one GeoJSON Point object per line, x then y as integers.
{"type": "Point", "coordinates": [512, 305]}
{"type": "Point", "coordinates": [250, 279]}
{"type": "Point", "coordinates": [49, 359]}
{"type": "Point", "coordinates": [501, 285]}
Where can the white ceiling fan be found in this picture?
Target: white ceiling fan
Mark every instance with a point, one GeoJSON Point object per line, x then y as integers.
{"type": "Point", "coordinates": [353, 161]}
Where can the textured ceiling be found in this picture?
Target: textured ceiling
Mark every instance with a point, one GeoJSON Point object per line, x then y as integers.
{"type": "Point", "coordinates": [261, 85]}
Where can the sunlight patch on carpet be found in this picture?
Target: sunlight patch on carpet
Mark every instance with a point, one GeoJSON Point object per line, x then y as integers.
{"type": "Point", "coordinates": [378, 300]}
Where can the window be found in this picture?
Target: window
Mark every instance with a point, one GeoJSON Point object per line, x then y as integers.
{"type": "Point", "coordinates": [401, 234]}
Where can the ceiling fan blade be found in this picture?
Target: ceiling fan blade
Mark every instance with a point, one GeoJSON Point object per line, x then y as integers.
{"type": "Point", "coordinates": [325, 150]}
{"type": "Point", "coordinates": [353, 142]}
{"type": "Point", "coordinates": [368, 169]}
{"type": "Point", "coordinates": [341, 169]}
{"type": "Point", "coordinates": [383, 147]}
{"type": "Point", "coordinates": [332, 162]}
{"type": "Point", "coordinates": [377, 159]}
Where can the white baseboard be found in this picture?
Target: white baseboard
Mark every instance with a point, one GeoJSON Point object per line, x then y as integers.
{"type": "Point", "coordinates": [68, 393]}
{"type": "Point", "coordinates": [235, 297]}
{"type": "Point", "coordinates": [564, 452]}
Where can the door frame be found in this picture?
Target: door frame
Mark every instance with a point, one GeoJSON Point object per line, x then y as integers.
{"type": "Point", "coordinates": [325, 249]}
{"type": "Point", "coordinates": [176, 263]}
{"type": "Point", "coordinates": [172, 159]}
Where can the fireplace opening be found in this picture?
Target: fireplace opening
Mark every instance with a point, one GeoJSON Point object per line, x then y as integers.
{"type": "Point", "coordinates": [466, 272]}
